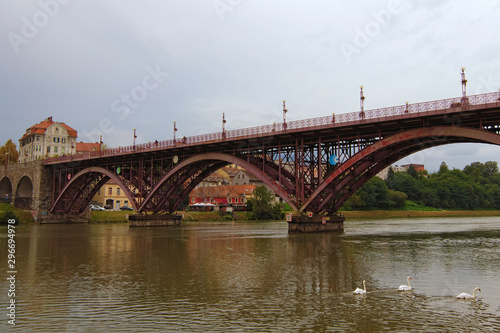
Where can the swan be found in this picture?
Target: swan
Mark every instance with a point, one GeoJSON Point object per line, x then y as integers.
{"type": "Point", "coordinates": [405, 287]}
{"type": "Point", "coordinates": [359, 290]}
{"type": "Point", "coordinates": [465, 295]}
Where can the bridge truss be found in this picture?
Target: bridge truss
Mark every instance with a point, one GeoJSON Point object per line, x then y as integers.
{"type": "Point", "coordinates": [314, 165]}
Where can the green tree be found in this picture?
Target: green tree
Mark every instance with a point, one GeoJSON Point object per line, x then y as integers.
{"type": "Point", "coordinates": [397, 199]}
{"type": "Point", "coordinates": [412, 171]}
{"type": "Point", "coordinates": [374, 194]}
{"type": "Point", "coordinates": [404, 182]}
{"type": "Point", "coordinates": [8, 153]}
{"type": "Point", "coordinates": [261, 203]}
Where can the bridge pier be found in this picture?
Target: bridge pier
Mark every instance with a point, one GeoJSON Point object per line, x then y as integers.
{"type": "Point", "coordinates": [315, 223]}
{"type": "Point", "coordinates": [154, 220]}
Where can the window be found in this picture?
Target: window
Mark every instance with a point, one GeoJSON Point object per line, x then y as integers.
{"type": "Point", "coordinates": [55, 149]}
{"type": "Point", "coordinates": [48, 149]}
{"type": "Point", "coordinates": [63, 140]}
{"type": "Point", "coordinates": [236, 200]}
{"type": "Point", "coordinates": [110, 191]}
{"type": "Point", "coordinates": [118, 191]}
{"type": "Point", "coordinates": [193, 200]}
{"type": "Point", "coordinates": [62, 150]}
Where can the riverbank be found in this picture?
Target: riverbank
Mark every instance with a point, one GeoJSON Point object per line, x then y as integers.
{"type": "Point", "coordinates": [26, 217]}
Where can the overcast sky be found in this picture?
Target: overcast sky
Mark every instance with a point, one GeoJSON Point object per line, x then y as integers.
{"type": "Point", "coordinates": [107, 67]}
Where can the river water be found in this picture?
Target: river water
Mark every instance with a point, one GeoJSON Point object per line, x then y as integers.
{"type": "Point", "coordinates": [255, 277]}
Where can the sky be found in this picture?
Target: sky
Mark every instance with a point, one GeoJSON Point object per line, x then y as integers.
{"type": "Point", "coordinates": [107, 67]}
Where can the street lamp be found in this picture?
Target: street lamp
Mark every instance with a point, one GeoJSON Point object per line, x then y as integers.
{"type": "Point", "coordinates": [464, 84]}
{"type": "Point", "coordinates": [175, 130]}
{"type": "Point", "coordinates": [223, 125]}
{"type": "Point", "coordinates": [284, 114]}
{"type": "Point", "coordinates": [135, 136]}
{"type": "Point", "coordinates": [362, 103]}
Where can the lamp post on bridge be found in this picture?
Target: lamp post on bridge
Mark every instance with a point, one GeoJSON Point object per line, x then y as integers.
{"type": "Point", "coordinates": [362, 103]}
{"type": "Point", "coordinates": [223, 125]}
{"type": "Point", "coordinates": [135, 136]}
{"type": "Point", "coordinates": [465, 100]}
{"type": "Point", "coordinates": [175, 130]}
{"type": "Point", "coordinates": [284, 115]}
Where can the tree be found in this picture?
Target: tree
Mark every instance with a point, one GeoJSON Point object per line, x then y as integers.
{"type": "Point", "coordinates": [412, 171]}
{"type": "Point", "coordinates": [443, 168]}
{"type": "Point", "coordinates": [8, 153]}
{"type": "Point", "coordinates": [261, 203]}
{"type": "Point", "coordinates": [374, 194]}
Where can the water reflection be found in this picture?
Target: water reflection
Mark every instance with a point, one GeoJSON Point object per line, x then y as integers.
{"type": "Point", "coordinates": [257, 277]}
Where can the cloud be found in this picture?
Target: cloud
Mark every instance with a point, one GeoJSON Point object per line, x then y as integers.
{"type": "Point", "coordinates": [242, 64]}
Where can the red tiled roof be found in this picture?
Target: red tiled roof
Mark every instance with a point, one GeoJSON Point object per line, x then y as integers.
{"type": "Point", "coordinates": [42, 126]}
{"type": "Point", "coordinates": [86, 147]}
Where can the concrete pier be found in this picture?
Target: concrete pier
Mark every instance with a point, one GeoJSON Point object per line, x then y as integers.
{"type": "Point", "coordinates": [315, 223]}
{"type": "Point", "coordinates": [154, 220]}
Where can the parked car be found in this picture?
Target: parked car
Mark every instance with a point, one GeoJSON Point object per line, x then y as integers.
{"type": "Point", "coordinates": [126, 208]}
{"type": "Point", "coordinates": [95, 207]}
{"type": "Point", "coordinates": [108, 207]}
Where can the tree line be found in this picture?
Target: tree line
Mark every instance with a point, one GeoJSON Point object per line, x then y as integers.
{"type": "Point", "coordinates": [477, 186]}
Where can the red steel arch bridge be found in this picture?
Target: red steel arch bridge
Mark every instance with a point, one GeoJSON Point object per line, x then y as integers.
{"type": "Point", "coordinates": [314, 164]}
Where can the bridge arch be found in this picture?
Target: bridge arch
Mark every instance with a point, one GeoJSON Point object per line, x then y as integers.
{"type": "Point", "coordinates": [356, 171]}
{"type": "Point", "coordinates": [208, 162]}
{"type": "Point", "coordinates": [79, 191]}
{"type": "Point", "coordinates": [6, 190]}
{"type": "Point", "coordinates": [24, 193]}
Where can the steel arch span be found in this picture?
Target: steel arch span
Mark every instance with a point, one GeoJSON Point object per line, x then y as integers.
{"type": "Point", "coordinates": [351, 175]}
{"type": "Point", "coordinates": [81, 188]}
{"type": "Point", "coordinates": [168, 193]}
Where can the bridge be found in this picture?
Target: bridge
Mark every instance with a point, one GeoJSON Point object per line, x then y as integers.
{"type": "Point", "coordinates": [314, 165]}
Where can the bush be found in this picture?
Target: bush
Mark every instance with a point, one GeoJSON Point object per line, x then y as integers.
{"type": "Point", "coordinates": [9, 215]}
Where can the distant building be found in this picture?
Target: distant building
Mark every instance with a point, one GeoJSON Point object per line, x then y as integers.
{"type": "Point", "coordinates": [403, 168]}
{"type": "Point", "coordinates": [216, 195]}
{"type": "Point", "coordinates": [213, 180]}
{"type": "Point", "coordinates": [85, 147]}
{"type": "Point", "coordinates": [45, 139]}
{"type": "Point", "coordinates": [243, 177]}
{"type": "Point", "coordinates": [112, 195]}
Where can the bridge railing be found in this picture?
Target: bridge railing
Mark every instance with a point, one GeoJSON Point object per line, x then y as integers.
{"type": "Point", "coordinates": [410, 110]}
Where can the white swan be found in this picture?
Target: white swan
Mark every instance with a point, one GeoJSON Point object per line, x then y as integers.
{"type": "Point", "coordinates": [465, 295]}
{"type": "Point", "coordinates": [359, 290]}
{"type": "Point", "coordinates": [406, 287]}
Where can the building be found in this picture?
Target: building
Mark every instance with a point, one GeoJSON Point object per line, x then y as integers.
{"type": "Point", "coordinates": [216, 195]}
{"type": "Point", "coordinates": [110, 194]}
{"type": "Point", "coordinates": [403, 168]}
{"type": "Point", "coordinates": [213, 180]}
{"type": "Point", "coordinates": [84, 147]}
{"type": "Point", "coordinates": [243, 177]}
{"type": "Point", "coordinates": [45, 139]}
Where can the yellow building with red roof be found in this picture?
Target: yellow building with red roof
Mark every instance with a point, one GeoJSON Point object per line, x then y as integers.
{"type": "Point", "coordinates": [45, 139]}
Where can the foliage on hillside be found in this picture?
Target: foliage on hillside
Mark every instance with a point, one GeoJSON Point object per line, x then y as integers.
{"type": "Point", "coordinates": [477, 186]}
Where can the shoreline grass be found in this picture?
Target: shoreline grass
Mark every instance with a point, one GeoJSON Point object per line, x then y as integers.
{"type": "Point", "coordinates": [411, 211]}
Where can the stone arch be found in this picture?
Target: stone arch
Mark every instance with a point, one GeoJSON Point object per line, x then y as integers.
{"type": "Point", "coordinates": [24, 193]}
{"type": "Point", "coordinates": [6, 190]}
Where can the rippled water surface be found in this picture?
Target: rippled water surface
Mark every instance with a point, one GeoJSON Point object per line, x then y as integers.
{"type": "Point", "coordinates": [255, 277]}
